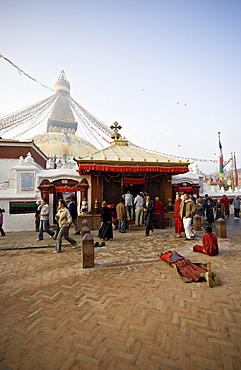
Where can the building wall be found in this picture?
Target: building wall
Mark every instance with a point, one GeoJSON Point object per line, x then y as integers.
{"type": "Point", "coordinates": [5, 167]}
{"type": "Point", "coordinates": [14, 152]}
{"type": "Point", "coordinates": [16, 222]}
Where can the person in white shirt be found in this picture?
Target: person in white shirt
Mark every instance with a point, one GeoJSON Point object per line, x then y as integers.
{"type": "Point", "coordinates": [44, 219]}
{"type": "Point", "coordinates": [138, 202]}
{"type": "Point", "coordinates": [129, 200]}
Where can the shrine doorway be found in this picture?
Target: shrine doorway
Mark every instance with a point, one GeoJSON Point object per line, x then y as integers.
{"type": "Point", "coordinates": [63, 189]}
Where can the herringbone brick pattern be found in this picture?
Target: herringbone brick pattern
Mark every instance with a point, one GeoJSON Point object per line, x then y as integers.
{"type": "Point", "coordinates": [55, 315]}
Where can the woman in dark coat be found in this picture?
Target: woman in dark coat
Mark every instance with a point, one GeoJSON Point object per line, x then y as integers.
{"type": "Point", "coordinates": [148, 214]}
{"type": "Point", "coordinates": [209, 211]}
{"type": "Point", "coordinates": [105, 231]}
{"type": "Point", "coordinates": [219, 209]}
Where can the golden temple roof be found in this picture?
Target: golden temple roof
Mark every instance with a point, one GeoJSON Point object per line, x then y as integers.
{"type": "Point", "coordinates": [120, 151]}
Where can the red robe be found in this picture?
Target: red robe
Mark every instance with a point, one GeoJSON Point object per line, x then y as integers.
{"type": "Point", "coordinates": [178, 220]}
{"type": "Point", "coordinates": [226, 202]}
{"type": "Point", "coordinates": [185, 267]}
{"type": "Point", "coordinates": [210, 245]}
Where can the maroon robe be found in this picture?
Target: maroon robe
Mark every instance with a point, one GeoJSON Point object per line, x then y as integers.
{"type": "Point", "coordinates": [185, 268]}
{"type": "Point", "coordinates": [210, 245]}
{"type": "Point", "coordinates": [226, 202]}
{"type": "Point", "coordinates": [178, 220]}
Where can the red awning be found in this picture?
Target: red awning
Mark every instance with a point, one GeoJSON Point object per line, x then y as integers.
{"type": "Point", "coordinates": [134, 168]}
{"type": "Point", "coordinates": [65, 189]}
{"type": "Point", "coordinates": [140, 180]}
{"type": "Point", "coordinates": [184, 189]}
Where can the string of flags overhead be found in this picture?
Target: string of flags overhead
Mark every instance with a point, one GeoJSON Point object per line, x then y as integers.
{"type": "Point", "coordinates": [192, 159]}
{"type": "Point", "coordinates": [15, 120]}
{"type": "Point", "coordinates": [20, 71]}
{"type": "Point", "coordinates": [180, 157]}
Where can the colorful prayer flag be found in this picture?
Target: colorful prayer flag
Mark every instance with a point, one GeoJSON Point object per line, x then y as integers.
{"type": "Point", "coordinates": [220, 158]}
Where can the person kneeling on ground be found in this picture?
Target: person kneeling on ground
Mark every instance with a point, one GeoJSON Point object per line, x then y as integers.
{"type": "Point", "coordinates": [210, 243]}
{"type": "Point", "coordinates": [191, 272]}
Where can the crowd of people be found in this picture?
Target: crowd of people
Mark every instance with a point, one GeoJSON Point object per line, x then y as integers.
{"type": "Point", "coordinates": [186, 208]}
{"type": "Point", "coordinates": [141, 209]}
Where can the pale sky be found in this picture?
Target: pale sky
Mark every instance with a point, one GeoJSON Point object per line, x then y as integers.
{"type": "Point", "coordinates": [167, 71]}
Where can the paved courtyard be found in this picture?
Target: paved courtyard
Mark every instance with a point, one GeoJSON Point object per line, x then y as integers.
{"type": "Point", "coordinates": [130, 312]}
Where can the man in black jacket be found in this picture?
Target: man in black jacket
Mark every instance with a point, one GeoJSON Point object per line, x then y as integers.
{"type": "Point", "coordinates": [74, 214]}
{"type": "Point", "coordinates": [148, 213]}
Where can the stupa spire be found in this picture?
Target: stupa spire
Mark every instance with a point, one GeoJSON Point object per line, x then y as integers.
{"type": "Point", "coordinates": [62, 85]}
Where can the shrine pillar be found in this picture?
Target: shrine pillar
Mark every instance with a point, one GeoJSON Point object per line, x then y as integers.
{"type": "Point", "coordinates": [83, 186]}
{"type": "Point", "coordinates": [46, 188]}
{"type": "Point", "coordinates": [96, 192]}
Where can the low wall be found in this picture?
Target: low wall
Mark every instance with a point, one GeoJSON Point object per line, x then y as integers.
{"type": "Point", "coordinates": [93, 221]}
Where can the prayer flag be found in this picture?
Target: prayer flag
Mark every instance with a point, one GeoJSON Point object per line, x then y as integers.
{"type": "Point", "coordinates": [220, 158]}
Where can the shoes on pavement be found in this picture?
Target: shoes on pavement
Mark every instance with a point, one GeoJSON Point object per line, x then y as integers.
{"type": "Point", "coordinates": [77, 233]}
{"type": "Point", "coordinates": [56, 252]}
{"type": "Point", "coordinates": [216, 279]}
{"type": "Point", "coordinates": [209, 279]}
{"type": "Point", "coordinates": [102, 244]}
{"type": "Point", "coordinates": [96, 244]}
{"type": "Point", "coordinates": [38, 240]}
{"type": "Point", "coordinates": [75, 246]}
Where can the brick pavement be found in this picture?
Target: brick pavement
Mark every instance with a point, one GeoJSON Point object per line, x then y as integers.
{"type": "Point", "coordinates": [131, 311]}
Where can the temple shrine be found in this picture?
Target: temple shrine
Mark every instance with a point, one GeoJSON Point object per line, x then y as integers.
{"type": "Point", "coordinates": [122, 167]}
{"type": "Point", "coordinates": [82, 157]}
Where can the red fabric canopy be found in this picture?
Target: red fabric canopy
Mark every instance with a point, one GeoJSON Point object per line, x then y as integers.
{"type": "Point", "coordinates": [140, 180]}
{"type": "Point", "coordinates": [185, 188]}
{"type": "Point", "coordinates": [129, 168]}
{"type": "Point", "coordinates": [65, 189]}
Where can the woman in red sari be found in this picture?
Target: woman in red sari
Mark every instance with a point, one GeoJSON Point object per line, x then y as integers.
{"type": "Point", "coordinates": [178, 220]}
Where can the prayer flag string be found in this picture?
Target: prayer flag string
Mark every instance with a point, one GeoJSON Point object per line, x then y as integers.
{"type": "Point", "coordinates": [104, 128]}
{"type": "Point", "coordinates": [26, 74]}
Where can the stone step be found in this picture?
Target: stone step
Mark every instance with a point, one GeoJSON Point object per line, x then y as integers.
{"type": "Point", "coordinates": [134, 227]}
